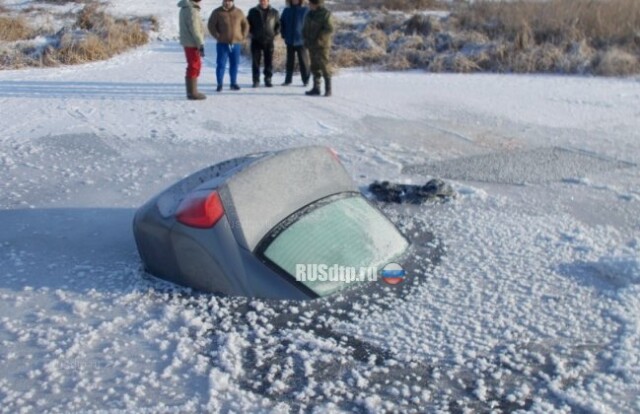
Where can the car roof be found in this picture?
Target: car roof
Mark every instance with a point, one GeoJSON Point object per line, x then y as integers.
{"type": "Point", "coordinates": [273, 187]}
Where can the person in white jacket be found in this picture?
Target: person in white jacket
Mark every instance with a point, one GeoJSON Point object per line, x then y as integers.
{"type": "Point", "coordinates": [192, 39]}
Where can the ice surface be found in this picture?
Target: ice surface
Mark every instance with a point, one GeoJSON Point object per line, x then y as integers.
{"type": "Point", "coordinates": [519, 167]}
{"type": "Point", "coordinates": [533, 305]}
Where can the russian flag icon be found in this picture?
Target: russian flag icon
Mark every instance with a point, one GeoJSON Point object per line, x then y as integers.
{"type": "Point", "coordinates": [392, 273]}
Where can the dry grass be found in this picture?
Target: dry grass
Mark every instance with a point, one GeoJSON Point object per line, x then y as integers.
{"type": "Point", "coordinates": [95, 35]}
{"type": "Point", "coordinates": [604, 23]}
{"type": "Point", "coordinates": [559, 36]}
{"type": "Point", "coordinates": [399, 62]}
{"type": "Point", "coordinates": [14, 28]}
{"type": "Point", "coordinates": [617, 62]}
{"type": "Point", "coordinates": [74, 50]}
{"type": "Point", "coordinates": [456, 62]}
{"type": "Point", "coordinates": [350, 58]}
{"type": "Point", "coordinates": [103, 37]}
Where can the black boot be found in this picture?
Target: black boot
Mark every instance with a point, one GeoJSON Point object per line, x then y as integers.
{"type": "Point", "coordinates": [315, 91]}
{"type": "Point", "coordinates": [192, 90]}
{"type": "Point", "coordinates": [327, 86]}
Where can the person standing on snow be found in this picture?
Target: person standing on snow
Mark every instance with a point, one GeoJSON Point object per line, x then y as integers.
{"type": "Point", "coordinates": [291, 25]}
{"type": "Point", "coordinates": [317, 32]}
{"type": "Point", "coordinates": [229, 27]}
{"type": "Point", "coordinates": [192, 39]}
{"type": "Point", "coordinates": [264, 26]}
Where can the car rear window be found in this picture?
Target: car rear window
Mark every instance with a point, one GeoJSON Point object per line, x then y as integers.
{"type": "Point", "coordinates": [346, 231]}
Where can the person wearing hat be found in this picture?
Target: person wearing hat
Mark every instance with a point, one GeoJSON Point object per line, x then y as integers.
{"type": "Point", "coordinates": [317, 32]}
{"type": "Point", "coordinates": [192, 39]}
{"type": "Point", "coordinates": [264, 26]}
{"type": "Point", "coordinates": [291, 27]}
{"type": "Point", "coordinates": [229, 27]}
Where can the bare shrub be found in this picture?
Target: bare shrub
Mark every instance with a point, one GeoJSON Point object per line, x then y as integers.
{"type": "Point", "coordinates": [14, 28]}
{"type": "Point", "coordinates": [617, 62]}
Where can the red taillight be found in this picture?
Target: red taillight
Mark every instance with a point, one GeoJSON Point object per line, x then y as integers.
{"type": "Point", "coordinates": [201, 209]}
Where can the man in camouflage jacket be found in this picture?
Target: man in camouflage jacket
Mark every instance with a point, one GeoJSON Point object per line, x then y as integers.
{"type": "Point", "coordinates": [317, 32]}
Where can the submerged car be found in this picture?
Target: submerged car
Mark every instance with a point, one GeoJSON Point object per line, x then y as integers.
{"type": "Point", "coordinates": [267, 225]}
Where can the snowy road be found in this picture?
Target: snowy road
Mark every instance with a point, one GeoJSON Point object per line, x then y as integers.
{"type": "Point", "coordinates": [534, 305]}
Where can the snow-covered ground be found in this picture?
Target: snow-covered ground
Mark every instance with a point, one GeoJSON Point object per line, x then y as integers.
{"type": "Point", "coordinates": [534, 305]}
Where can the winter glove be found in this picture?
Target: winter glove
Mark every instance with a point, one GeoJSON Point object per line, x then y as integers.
{"type": "Point", "coordinates": [201, 51]}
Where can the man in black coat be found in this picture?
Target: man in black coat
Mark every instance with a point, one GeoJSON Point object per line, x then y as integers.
{"type": "Point", "coordinates": [264, 25]}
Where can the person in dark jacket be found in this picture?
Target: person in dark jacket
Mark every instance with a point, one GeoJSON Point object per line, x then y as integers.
{"type": "Point", "coordinates": [192, 39]}
{"type": "Point", "coordinates": [291, 27]}
{"type": "Point", "coordinates": [317, 32]}
{"type": "Point", "coordinates": [264, 26]}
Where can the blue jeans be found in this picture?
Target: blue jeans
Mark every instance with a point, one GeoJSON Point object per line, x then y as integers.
{"type": "Point", "coordinates": [230, 51]}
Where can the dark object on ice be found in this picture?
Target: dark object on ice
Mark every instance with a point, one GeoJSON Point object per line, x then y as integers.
{"type": "Point", "coordinates": [433, 190]}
